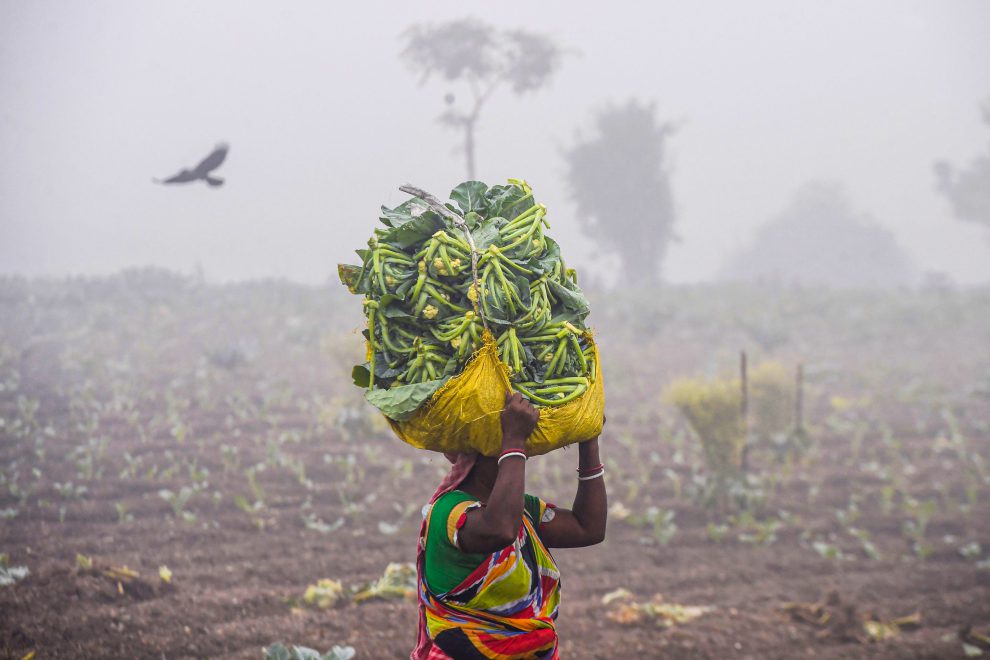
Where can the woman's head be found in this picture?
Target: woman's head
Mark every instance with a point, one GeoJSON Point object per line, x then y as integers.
{"type": "Point", "coordinates": [461, 466]}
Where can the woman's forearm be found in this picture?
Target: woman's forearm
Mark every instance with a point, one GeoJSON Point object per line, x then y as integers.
{"type": "Point", "coordinates": [591, 502]}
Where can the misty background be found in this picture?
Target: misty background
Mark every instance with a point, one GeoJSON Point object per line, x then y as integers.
{"type": "Point", "coordinates": [768, 103]}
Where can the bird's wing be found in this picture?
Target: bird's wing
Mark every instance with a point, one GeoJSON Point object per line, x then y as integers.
{"type": "Point", "coordinates": [185, 176]}
{"type": "Point", "coordinates": [213, 161]}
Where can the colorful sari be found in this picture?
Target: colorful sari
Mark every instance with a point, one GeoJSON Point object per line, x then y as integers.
{"type": "Point", "coordinates": [505, 609]}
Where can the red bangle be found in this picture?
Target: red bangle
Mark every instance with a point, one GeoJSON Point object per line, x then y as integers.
{"type": "Point", "coordinates": [591, 469]}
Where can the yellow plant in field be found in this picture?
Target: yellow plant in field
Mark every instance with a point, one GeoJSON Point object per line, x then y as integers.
{"type": "Point", "coordinates": [712, 408]}
{"type": "Point", "coordinates": [771, 400]}
{"type": "Point", "coordinates": [627, 611]}
{"type": "Point", "coordinates": [325, 593]}
{"type": "Point", "coordinates": [399, 581]}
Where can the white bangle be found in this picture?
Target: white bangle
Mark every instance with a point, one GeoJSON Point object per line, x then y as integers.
{"type": "Point", "coordinates": [511, 453]}
{"type": "Point", "coordinates": [593, 476]}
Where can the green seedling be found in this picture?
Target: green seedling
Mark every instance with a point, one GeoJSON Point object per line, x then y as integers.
{"type": "Point", "coordinates": [971, 550]}
{"type": "Point", "coordinates": [868, 546]}
{"type": "Point", "coordinates": [313, 522]}
{"type": "Point", "coordinates": [848, 516]}
{"type": "Point", "coordinates": [230, 458]}
{"type": "Point", "coordinates": [761, 532]}
{"type": "Point", "coordinates": [198, 475]}
{"type": "Point", "coordinates": [89, 457]}
{"type": "Point", "coordinates": [131, 466]}
{"type": "Point", "coordinates": [280, 652]}
{"type": "Point", "coordinates": [887, 499]}
{"type": "Point", "coordinates": [662, 523]}
{"type": "Point", "coordinates": [676, 482]}
{"type": "Point", "coordinates": [10, 574]}
{"type": "Point", "coordinates": [178, 502]}
{"type": "Point", "coordinates": [717, 532]}
{"type": "Point", "coordinates": [828, 551]}
{"type": "Point", "coordinates": [68, 491]}
{"type": "Point", "coordinates": [256, 490]}
{"type": "Point", "coordinates": [915, 528]}
{"type": "Point", "coordinates": [122, 514]}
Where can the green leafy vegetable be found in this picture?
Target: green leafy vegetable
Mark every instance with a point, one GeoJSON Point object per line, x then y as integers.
{"type": "Point", "coordinates": [427, 313]}
{"type": "Point", "coordinates": [279, 652]}
{"type": "Point", "coordinates": [470, 196]}
{"type": "Point", "coordinates": [400, 402]}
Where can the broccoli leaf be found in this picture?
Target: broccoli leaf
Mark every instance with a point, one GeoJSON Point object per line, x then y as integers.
{"type": "Point", "coordinates": [522, 286]}
{"type": "Point", "coordinates": [502, 201]}
{"type": "Point", "coordinates": [571, 299]}
{"type": "Point", "coordinates": [361, 375]}
{"type": "Point", "coordinates": [400, 402]}
{"type": "Point", "coordinates": [277, 652]}
{"type": "Point", "coordinates": [450, 368]}
{"type": "Point", "coordinates": [391, 306]}
{"type": "Point", "coordinates": [552, 255]}
{"type": "Point", "coordinates": [385, 372]}
{"type": "Point", "coordinates": [484, 236]}
{"type": "Point", "coordinates": [403, 289]}
{"type": "Point", "coordinates": [403, 213]}
{"type": "Point", "coordinates": [414, 231]}
{"type": "Point", "coordinates": [353, 278]}
{"type": "Point", "coordinates": [470, 196]}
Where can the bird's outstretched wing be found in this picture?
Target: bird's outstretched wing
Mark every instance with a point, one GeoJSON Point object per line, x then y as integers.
{"type": "Point", "coordinates": [211, 162]}
{"type": "Point", "coordinates": [185, 176]}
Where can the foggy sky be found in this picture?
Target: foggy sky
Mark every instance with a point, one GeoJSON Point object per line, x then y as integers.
{"type": "Point", "coordinates": [325, 122]}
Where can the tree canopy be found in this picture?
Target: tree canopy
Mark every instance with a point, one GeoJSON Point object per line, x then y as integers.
{"type": "Point", "coordinates": [480, 58]}
{"type": "Point", "coordinates": [820, 239]}
{"type": "Point", "coordinates": [619, 181]}
{"type": "Point", "coordinates": [968, 189]}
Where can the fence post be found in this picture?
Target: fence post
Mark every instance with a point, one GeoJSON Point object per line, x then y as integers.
{"type": "Point", "coordinates": [799, 398]}
{"type": "Point", "coordinates": [744, 383]}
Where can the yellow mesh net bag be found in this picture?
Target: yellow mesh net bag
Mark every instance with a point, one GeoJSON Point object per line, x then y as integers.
{"type": "Point", "coordinates": [464, 415]}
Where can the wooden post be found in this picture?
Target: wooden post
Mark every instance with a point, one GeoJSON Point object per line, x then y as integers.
{"type": "Point", "coordinates": [799, 398]}
{"type": "Point", "coordinates": [744, 411]}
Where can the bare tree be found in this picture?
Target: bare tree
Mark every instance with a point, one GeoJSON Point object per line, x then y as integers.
{"type": "Point", "coordinates": [968, 190]}
{"type": "Point", "coordinates": [480, 58]}
{"type": "Point", "coordinates": [619, 181]}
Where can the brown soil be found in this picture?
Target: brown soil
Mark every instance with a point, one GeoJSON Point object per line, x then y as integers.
{"type": "Point", "coordinates": [163, 386]}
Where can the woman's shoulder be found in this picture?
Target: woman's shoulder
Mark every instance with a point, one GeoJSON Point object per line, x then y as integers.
{"type": "Point", "coordinates": [454, 497]}
{"type": "Point", "coordinates": [458, 501]}
{"type": "Point", "coordinates": [447, 505]}
{"type": "Point", "coordinates": [537, 509]}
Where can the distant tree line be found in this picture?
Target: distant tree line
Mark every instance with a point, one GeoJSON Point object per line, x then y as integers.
{"type": "Point", "coordinates": [968, 188]}
{"type": "Point", "coordinates": [619, 174]}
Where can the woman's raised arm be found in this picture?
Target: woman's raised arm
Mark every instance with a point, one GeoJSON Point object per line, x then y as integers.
{"type": "Point", "coordinates": [496, 525]}
{"type": "Point", "coordinates": [584, 523]}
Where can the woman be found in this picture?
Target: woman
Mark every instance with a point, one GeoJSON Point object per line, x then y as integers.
{"type": "Point", "coordinates": [488, 586]}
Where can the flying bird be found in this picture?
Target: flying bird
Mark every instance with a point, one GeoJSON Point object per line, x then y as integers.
{"type": "Point", "coordinates": [201, 171]}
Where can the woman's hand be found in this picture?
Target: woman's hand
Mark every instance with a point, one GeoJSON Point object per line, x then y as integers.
{"type": "Point", "coordinates": [519, 418]}
{"type": "Point", "coordinates": [496, 525]}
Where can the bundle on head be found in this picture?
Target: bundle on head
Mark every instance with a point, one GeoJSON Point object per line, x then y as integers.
{"type": "Point", "coordinates": [428, 305]}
